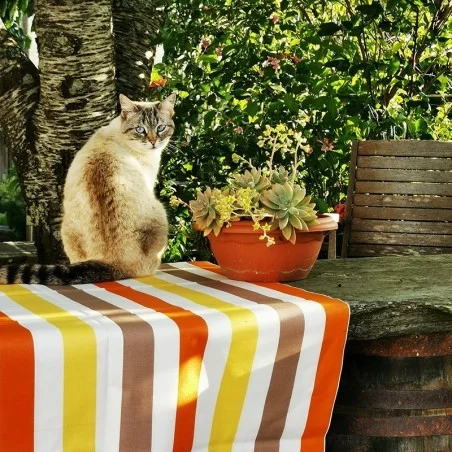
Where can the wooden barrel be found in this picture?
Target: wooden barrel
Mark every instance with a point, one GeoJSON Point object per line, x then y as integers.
{"type": "Point", "coordinates": [395, 395]}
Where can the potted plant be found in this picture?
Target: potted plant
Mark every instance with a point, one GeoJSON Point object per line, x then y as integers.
{"type": "Point", "coordinates": [263, 226]}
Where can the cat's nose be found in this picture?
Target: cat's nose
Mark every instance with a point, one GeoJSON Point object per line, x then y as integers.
{"type": "Point", "coordinates": [152, 138]}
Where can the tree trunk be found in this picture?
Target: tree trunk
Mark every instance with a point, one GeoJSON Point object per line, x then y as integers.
{"type": "Point", "coordinates": [136, 24]}
{"type": "Point", "coordinates": [77, 97]}
{"type": "Point", "coordinates": [19, 85]}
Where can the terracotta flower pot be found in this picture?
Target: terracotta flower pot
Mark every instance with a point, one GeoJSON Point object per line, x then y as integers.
{"type": "Point", "coordinates": [241, 255]}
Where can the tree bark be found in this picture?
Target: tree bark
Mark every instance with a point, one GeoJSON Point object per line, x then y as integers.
{"type": "Point", "coordinates": [136, 24]}
{"type": "Point", "coordinates": [77, 97]}
{"type": "Point", "coordinates": [19, 87]}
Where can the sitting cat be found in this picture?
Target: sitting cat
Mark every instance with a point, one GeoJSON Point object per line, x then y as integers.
{"type": "Point", "coordinates": [113, 225]}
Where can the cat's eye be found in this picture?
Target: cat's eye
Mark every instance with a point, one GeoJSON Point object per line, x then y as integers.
{"type": "Point", "coordinates": [140, 130]}
{"type": "Point", "coordinates": [161, 128]}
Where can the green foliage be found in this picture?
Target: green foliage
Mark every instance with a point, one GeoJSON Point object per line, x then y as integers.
{"type": "Point", "coordinates": [270, 197]}
{"type": "Point", "coordinates": [356, 68]}
{"type": "Point", "coordinates": [12, 12]}
{"type": "Point", "coordinates": [12, 205]}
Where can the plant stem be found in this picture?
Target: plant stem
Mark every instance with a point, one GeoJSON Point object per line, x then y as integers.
{"type": "Point", "coordinates": [270, 163]}
{"type": "Point", "coordinates": [295, 164]}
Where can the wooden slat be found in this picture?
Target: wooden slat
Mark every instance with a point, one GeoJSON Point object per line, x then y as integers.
{"type": "Point", "coordinates": [350, 195]}
{"type": "Point", "coordinates": [423, 202]}
{"type": "Point", "coordinates": [403, 188]}
{"type": "Point", "coordinates": [401, 175]}
{"type": "Point", "coordinates": [411, 148]}
{"type": "Point", "coordinates": [382, 238]}
{"type": "Point", "coordinates": [359, 250]}
{"type": "Point", "coordinates": [419, 227]}
{"type": "Point", "coordinates": [414, 163]}
{"type": "Point", "coordinates": [397, 213]}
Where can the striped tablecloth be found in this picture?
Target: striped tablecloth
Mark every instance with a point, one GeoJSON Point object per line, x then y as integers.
{"type": "Point", "coordinates": [186, 360]}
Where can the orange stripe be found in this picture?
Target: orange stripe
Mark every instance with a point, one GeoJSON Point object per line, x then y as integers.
{"type": "Point", "coordinates": [193, 340]}
{"type": "Point", "coordinates": [17, 381]}
{"type": "Point", "coordinates": [329, 367]}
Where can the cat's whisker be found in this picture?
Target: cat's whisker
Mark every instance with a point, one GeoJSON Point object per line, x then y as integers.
{"type": "Point", "coordinates": [173, 147]}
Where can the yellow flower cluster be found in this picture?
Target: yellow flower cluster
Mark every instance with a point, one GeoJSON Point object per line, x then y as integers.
{"type": "Point", "coordinates": [224, 205]}
{"type": "Point", "coordinates": [244, 198]}
{"type": "Point", "coordinates": [175, 201]}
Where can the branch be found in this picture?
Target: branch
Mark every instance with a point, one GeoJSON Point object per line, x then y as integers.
{"type": "Point", "coordinates": [136, 24]}
{"type": "Point", "coordinates": [414, 55]}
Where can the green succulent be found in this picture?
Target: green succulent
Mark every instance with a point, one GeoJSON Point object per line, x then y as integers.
{"type": "Point", "coordinates": [205, 216]}
{"type": "Point", "coordinates": [280, 176]}
{"type": "Point", "coordinates": [253, 179]}
{"type": "Point", "coordinates": [291, 209]}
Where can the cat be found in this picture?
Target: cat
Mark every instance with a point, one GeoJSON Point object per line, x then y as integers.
{"type": "Point", "coordinates": [113, 226]}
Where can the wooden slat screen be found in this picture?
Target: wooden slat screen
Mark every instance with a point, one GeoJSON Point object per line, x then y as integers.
{"type": "Point", "coordinates": [399, 199]}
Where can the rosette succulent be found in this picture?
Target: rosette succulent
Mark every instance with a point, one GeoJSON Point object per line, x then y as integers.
{"type": "Point", "coordinates": [280, 176]}
{"type": "Point", "coordinates": [253, 179]}
{"type": "Point", "coordinates": [291, 209]}
{"type": "Point", "coordinates": [205, 215]}
{"type": "Point", "coordinates": [271, 197]}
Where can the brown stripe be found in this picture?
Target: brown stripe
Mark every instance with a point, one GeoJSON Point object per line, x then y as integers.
{"type": "Point", "coordinates": [287, 356]}
{"type": "Point", "coordinates": [138, 368]}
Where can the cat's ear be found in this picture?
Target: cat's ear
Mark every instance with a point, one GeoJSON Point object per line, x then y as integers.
{"type": "Point", "coordinates": [167, 104]}
{"type": "Point", "coordinates": [127, 106]}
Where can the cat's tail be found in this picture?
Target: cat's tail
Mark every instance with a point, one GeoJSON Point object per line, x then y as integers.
{"type": "Point", "coordinates": [78, 273]}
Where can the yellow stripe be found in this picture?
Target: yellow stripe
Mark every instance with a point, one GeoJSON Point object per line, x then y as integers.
{"type": "Point", "coordinates": [80, 366]}
{"type": "Point", "coordinates": [234, 383]}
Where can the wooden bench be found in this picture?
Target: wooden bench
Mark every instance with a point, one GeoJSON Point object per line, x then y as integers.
{"type": "Point", "coordinates": [399, 199]}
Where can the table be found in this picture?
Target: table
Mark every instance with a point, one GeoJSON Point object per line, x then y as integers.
{"type": "Point", "coordinates": [186, 360]}
{"type": "Point", "coordinates": [396, 388]}
{"type": "Point", "coordinates": [388, 296]}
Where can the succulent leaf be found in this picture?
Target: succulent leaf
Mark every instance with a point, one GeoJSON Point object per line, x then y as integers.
{"type": "Point", "coordinates": [284, 221]}
{"type": "Point", "coordinates": [253, 179]}
{"type": "Point", "coordinates": [290, 208]}
{"type": "Point", "coordinates": [205, 215]}
{"type": "Point", "coordinates": [280, 176]}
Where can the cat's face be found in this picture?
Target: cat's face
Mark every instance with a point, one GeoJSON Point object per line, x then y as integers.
{"type": "Point", "coordinates": [147, 124]}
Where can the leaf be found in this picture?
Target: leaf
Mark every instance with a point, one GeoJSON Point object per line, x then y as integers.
{"type": "Point", "coordinates": [371, 11]}
{"type": "Point", "coordinates": [273, 197]}
{"type": "Point", "coordinates": [252, 108]}
{"type": "Point", "coordinates": [328, 29]}
{"type": "Point", "coordinates": [287, 231]}
{"type": "Point", "coordinates": [341, 64]}
{"type": "Point", "coordinates": [266, 202]}
{"type": "Point", "coordinates": [208, 58]}
{"type": "Point", "coordinates": [298, 195]}
{"type": "Point", "coordinates": [291, 103]}
{"type": "Point", "coordinates": [321, 205]}
{"type": "Point", "coordinates": [393, 66]}
{"type": "Point", "coordinates": [295, 222]}
{"type": "Point", "coordinates": [209, 117]}
{"type": "Point", "coordinates": [283, 222]}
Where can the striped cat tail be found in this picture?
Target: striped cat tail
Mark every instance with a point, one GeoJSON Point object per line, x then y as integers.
{"type": "Point", "coordinates": [78, 273]}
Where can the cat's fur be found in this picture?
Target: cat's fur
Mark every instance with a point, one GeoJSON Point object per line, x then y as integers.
{"type": "Point", "coordinates": [113, 225]}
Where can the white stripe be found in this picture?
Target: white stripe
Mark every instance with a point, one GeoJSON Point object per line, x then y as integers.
{"type": "Point", "coordinates": [267, 345]}
{"type": "Point", "coordinates": [315, 319]}
{"type": "Point", "coordinates": [49, 356]}
{"type": "Point", "coordinates": [166, 365]}
{"type": "Point", "coordinates": [215, 354]}
{"type": "Point", "coordinates": [109, 351]}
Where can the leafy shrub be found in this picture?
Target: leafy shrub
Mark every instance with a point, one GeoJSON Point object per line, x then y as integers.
{"type": "Point", "coordinates": [352, 69]}
{"type": "Point", "coordinates": [12, 205]}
